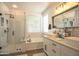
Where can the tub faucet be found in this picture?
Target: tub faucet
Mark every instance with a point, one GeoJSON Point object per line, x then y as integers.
{"type": "Point", "coordinates": [29, 40]}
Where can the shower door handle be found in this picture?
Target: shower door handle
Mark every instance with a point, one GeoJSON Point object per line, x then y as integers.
{"type": "Point", "coordinates": [5, 31]}
{"type": "Point", "coordinates": [13, 33]}
{"type": "Point", "coordinates": [0, 14]}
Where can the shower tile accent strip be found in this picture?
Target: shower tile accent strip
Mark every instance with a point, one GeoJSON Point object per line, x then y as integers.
{"type": "Point", "coordinates": [27, 53]}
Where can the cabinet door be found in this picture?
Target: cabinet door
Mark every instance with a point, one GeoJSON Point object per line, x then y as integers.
{"type": "Point", "coordinates": [51, 48]}
{"type": "Point", "coordinates": [47, 47]}
{"type": "Point", "coordinates": [69, 52]}
{"type": "Point", "coordinates": [45, 44]}
{"type": "Point", "coordinates": [54, 48]}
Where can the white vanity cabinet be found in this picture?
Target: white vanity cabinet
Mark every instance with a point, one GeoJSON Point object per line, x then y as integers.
{"type": "Point", "coordinates": [55, 48]}
{"type": "Point", "coordinates": [66, 51]}
{"type": "Point", "coordinates": [45, 45]}
{"type": "Point", "coordinates": [51, 48]}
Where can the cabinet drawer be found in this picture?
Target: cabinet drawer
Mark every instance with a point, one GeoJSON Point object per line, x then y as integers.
{"type": "Point", "coordinates": [54, 48]}
{"type": "Point", "coordinates": [69, 52]}
{"type": "Point", "coordinates": [53, 44]}
{"type": "Point", "coordinates": [55, 52]}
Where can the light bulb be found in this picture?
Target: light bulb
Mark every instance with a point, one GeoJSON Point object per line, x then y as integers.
{"type": "Point", "coordinates": [14, 6]}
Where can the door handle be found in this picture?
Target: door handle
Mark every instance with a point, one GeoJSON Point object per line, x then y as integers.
{"type": "Point", "coordinates": [5, 31]}
{"type": "Point", "coordinates": [54, 44]}
{"type": "Point", "coordinates": [53, 50]}
{"type": "Point", "coordinates": [13, 33]}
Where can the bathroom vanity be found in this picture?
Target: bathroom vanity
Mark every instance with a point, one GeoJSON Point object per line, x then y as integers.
{"type": "Point", "coordinates": [68, 21]}
{"type": "Point", "coordinates": [55, 46]}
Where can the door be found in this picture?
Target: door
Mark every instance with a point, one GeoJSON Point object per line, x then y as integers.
{"type": "Point", "coordinates": [11, 29]}
{"type": "Point", "coordinates": [3, 30]}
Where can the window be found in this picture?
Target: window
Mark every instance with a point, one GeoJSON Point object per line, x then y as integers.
{"type": "Point", "coordinates": [45, 23]}
{"type": "Point", "coordinates": [33, 23]}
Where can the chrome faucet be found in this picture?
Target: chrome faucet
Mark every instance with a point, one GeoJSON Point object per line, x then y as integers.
{"type": "Point", "coordinates": [29, 40]}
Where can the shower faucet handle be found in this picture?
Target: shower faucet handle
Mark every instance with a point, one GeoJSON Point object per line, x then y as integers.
{"type": "Point", "coordinates": [5, 31]}
{"type": "Point", "coordinates": [0, 47]}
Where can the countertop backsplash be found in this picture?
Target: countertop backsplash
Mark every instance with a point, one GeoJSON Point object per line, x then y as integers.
{"type": "Point", "coordinates": [75, 32]}
{"type": "Point", "coordinates": [66, 32]}
{"type": "Point", "coordinates": [72, 31]}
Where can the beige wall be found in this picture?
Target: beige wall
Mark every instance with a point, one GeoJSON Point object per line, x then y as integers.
{"type": "Point", "coordinates": [4, 8]}
{"type": "Point", "coordinates": [50, 11]}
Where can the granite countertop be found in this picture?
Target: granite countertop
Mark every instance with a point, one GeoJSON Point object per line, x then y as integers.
{"type": "Point", "coordinates": [62, 41]}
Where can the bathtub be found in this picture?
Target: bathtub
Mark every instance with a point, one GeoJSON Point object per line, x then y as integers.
{"type": "Point", "coordinates": [23, 46]}
{"type": "Point", "coordinates": [35, 43]}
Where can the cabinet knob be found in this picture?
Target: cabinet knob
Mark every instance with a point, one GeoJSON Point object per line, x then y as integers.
{"type": "Point", "coordinates": [54, 44]}
{"type": "Point", "coordinates": [13, 33]}
{"type": "Point", "coordinates": [53, 50]}
{"type": "Point", "coordinates": [45, 47]}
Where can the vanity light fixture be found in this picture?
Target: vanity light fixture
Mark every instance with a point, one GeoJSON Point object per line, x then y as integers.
{"type": "Point", "coordinates": [65, 6]}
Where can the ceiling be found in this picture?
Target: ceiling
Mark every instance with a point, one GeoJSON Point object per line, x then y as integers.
{"type": "Point", "coordinates": [30, 7]}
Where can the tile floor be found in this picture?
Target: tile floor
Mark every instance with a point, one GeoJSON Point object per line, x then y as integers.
{"type": "Point", "coordinates": [38, 52]}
